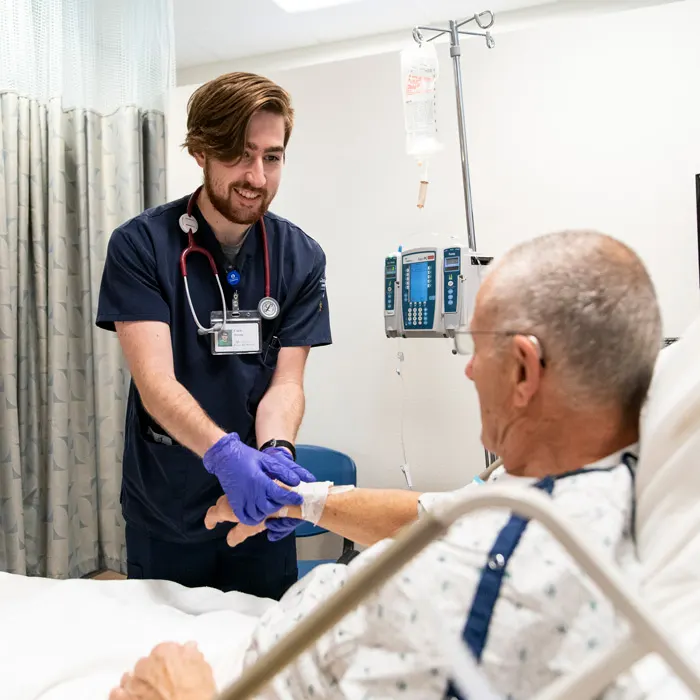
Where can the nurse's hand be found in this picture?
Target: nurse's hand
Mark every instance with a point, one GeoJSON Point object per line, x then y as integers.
{"type": "Point", "coordinates": [171, 672]}
{"type": "Point", "coordinates": [245, 476]}
{"type": "Point", "coordinates": [279, 527]}
{"type": "Point", "coordinates": [285, 459]}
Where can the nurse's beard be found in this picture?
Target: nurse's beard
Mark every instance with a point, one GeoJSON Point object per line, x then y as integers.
{"type": "Point", "coordinates": [237, 215]}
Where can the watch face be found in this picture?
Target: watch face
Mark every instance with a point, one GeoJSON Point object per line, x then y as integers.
{"type": "Point", "coordinates": [269, 308]}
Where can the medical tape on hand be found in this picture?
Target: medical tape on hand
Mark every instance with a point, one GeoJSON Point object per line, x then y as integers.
{"type": "Point", "coordinates": [315, 495]}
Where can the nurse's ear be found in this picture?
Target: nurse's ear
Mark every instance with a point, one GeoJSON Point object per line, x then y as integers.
{"type": "Point", "coordinates": [200, 158]}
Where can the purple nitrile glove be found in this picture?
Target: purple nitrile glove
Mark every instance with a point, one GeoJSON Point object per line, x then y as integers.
{"type": "Point", "coordinates": [279, 528]}
{"type": "Point", "coordinates": [244, 474]}
{"type": "Point", "coordinates": [287, 463]}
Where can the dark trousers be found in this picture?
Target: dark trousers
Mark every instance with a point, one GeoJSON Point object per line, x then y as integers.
{"type": "Point", "coordinates": [257, 566]}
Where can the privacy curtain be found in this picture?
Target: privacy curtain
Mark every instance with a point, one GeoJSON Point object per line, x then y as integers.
{"type": "Point", "coordinates": [82, 137]}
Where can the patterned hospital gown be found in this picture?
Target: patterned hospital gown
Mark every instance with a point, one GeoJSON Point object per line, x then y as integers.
{"type": "Point", "coordinates": [547, 617]}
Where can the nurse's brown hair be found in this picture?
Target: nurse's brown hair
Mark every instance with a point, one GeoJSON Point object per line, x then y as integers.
{"type": "Point", "coordinates": [218, 113]}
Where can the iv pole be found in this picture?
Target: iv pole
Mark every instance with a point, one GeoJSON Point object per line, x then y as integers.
{"type": "Point", "coordinates": [484, 20]}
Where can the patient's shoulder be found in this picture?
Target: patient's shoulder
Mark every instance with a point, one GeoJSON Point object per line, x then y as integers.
{"type": "Point", "coordinates": [600, 505]}
{"type": "Point", "coordinates": [609, 487]}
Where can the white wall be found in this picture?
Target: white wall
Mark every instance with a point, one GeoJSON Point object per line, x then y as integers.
{"type": "Point", "coordinates": [586, 123]}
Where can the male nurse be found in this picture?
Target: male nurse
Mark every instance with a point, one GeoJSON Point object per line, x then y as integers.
{"type": "Point", "coordinates": [216, 399]}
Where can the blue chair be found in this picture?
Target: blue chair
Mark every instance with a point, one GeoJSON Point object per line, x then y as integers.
{"type": "Point", "coordinates": [326, 465]}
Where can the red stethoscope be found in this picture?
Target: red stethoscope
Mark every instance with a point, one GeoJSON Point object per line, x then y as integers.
{"type": "Point", "coordinates": [268, 307]}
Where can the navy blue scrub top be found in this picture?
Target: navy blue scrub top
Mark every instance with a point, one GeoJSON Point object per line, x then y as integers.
{"type": "Point", "coordinates": [165, 488]}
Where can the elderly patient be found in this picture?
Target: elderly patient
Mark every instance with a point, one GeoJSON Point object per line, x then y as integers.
{"type": "Point", "coordinates": [562, 346]}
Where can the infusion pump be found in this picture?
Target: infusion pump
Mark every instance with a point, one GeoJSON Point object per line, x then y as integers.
{"type": "Point", "coordinates": [429, 292]}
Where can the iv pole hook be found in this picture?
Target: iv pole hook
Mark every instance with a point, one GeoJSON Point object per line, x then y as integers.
{"type": "Point", "coordinates": [489, 21]}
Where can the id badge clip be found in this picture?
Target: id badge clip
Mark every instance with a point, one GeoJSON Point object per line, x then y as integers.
{"type": "Point", "coordinates": [239, 334]}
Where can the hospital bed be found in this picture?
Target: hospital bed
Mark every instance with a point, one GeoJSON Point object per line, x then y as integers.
{"type": "Point", "coordinates": [660, 651]}
{"type": "Point", "coordinates": [72, 640]}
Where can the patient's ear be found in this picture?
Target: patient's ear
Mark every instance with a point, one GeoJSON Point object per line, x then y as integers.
{"type": "Point", "coordinates": [529, 370]}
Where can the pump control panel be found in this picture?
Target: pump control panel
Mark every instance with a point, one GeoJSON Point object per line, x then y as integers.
{"type": "Point", "coordinates": [430, 292]}
{"type": "Point", "coordinates": [419, 289]}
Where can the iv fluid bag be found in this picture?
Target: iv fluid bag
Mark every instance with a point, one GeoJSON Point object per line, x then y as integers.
{"type": "Point", "coordinates": [419, 74]}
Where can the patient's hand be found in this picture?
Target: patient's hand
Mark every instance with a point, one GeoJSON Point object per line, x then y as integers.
{"type": "Point", "coordinates": [171, 672]}
{"type": "Point", "coordinates": [222, 512]}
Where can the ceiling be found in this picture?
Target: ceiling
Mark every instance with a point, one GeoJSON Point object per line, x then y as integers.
{"type": "Point", "coordinates": [211, 31]}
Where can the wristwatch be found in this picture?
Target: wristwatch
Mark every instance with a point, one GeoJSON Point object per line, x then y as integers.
{"type": "Point", "coordinates": [280, 443]}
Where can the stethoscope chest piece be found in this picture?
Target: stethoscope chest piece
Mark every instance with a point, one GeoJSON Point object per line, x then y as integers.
{"type": "Point", "coordinates": [268, 308]}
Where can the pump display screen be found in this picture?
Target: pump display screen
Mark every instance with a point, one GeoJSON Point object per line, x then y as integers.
{"type": "Point", "coordinates": [451, 263]}
{"type": "Point", "coordinates": [391, 269]}
{"type": "Point", "coordinates": [419, 282]}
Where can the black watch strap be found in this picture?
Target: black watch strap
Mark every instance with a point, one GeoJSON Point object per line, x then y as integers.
{"type": "Point", "coordinates": [280, 443]}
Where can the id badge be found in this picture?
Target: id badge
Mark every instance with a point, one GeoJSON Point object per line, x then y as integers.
{"type": "Point", "coordinates": [241, 334]}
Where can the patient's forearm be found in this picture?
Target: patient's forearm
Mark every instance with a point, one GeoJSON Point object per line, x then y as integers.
{"type": "Point", "coordinates": [366, 516]}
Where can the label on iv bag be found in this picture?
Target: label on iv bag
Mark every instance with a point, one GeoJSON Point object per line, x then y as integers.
{"type": "Point", "coordinates": [419, 71]}
{"type": "Point", "coordinates": [418, 115]}
{"type": "Point", "coordinates": [419, 98]}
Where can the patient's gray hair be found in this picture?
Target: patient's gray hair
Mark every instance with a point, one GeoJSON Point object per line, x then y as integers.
{"type": "Point", "coordinates": [590, 301]}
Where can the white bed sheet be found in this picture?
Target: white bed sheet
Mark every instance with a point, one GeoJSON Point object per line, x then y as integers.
{"type": "Point", "coordinates": [73, 640]}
